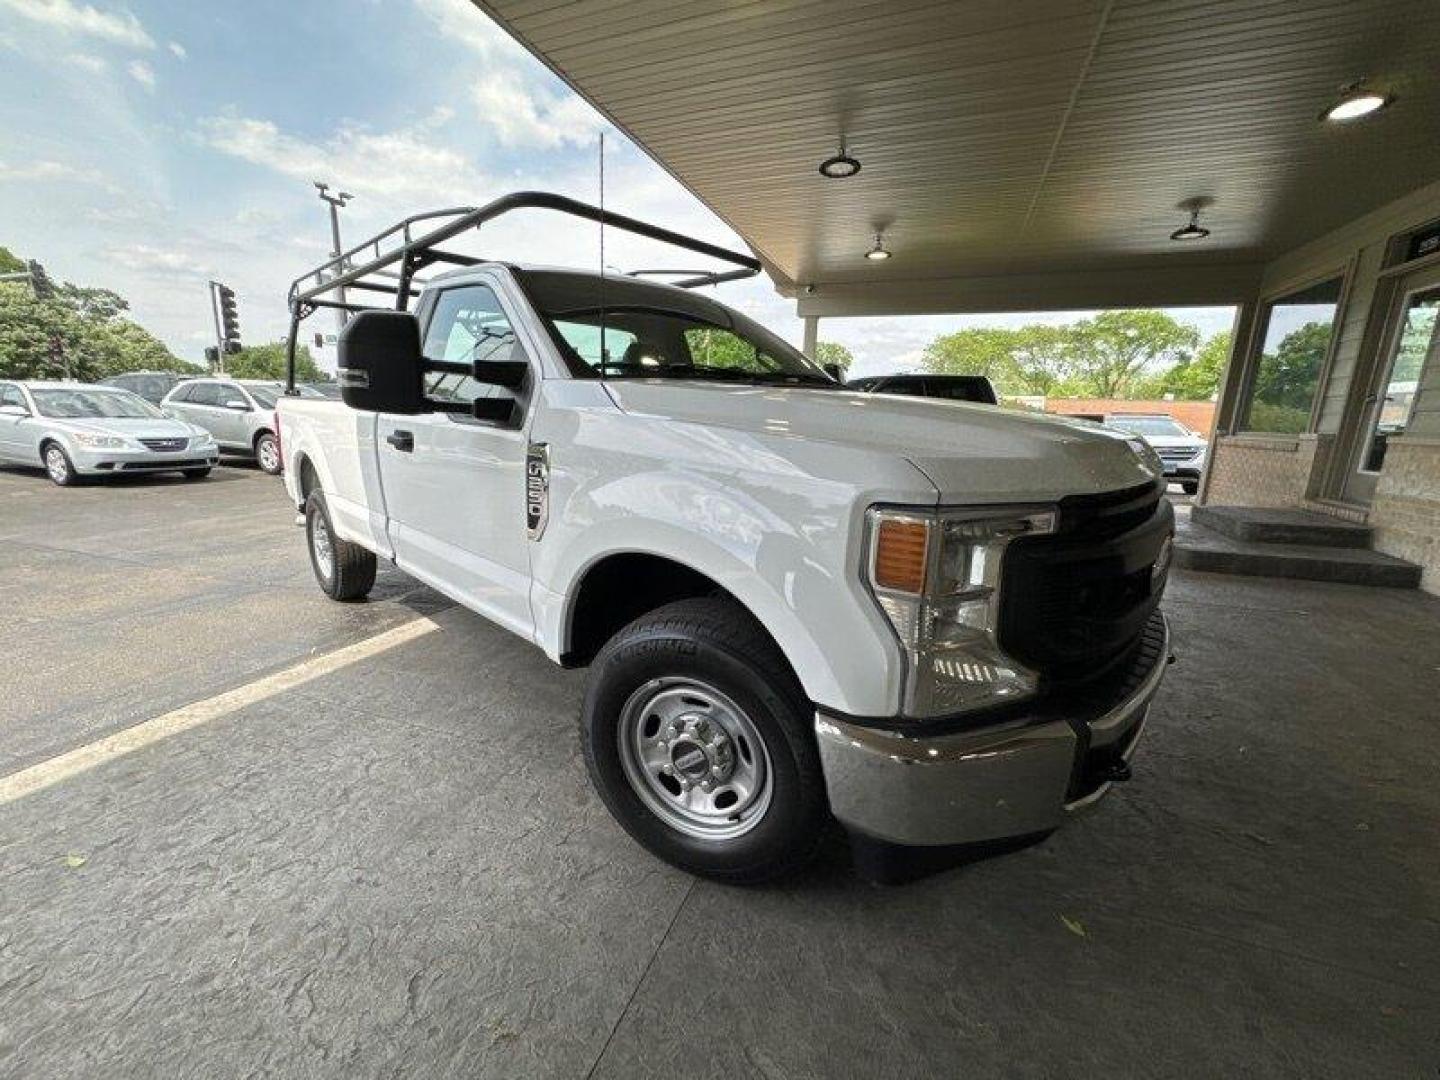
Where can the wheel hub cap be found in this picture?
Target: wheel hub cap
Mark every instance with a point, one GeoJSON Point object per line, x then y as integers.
{"type": "Point", "coordinates": [694, 758]}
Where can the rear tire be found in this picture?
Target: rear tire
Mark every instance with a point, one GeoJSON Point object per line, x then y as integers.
{"type": "Point", "coordinates": [267, 454]}
{"type": "Point", "coordinates": [58, 465]}
{"type": "Point", "coordinates": [196, 474]}
{"type": "Point", "coordinates": [344, 570]}
{"type": "Point", "coordinates": [697, 737]}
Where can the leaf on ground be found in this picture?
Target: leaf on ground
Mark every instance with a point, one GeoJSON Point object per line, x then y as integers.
{"type": "Point", "coordinates": [1075, 926]}
{"type": "Point", "coordinates": [74, 862]}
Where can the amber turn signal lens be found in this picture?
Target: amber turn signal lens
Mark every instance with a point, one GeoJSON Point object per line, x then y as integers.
{"type": "Point", "coordinates": [900, 555]}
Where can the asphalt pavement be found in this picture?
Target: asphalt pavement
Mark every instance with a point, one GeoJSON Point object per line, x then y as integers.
{"type": "Point", "coordinates": [397, 867]}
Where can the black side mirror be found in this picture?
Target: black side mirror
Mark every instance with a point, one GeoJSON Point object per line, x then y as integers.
{"type": "Point", "coordinates": [834, 371]}
{"type": "Point", "coordinates": [380, 367]}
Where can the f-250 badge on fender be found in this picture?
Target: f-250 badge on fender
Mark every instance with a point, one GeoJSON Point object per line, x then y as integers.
{"type": "Point", "coordinates": [537, 489]}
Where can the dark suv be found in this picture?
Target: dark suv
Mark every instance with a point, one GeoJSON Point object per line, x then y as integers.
{"type": "Point", "coordinates": [976, 388]}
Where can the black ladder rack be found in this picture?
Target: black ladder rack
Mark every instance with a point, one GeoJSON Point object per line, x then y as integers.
{"type": "Point", "coordinates": [360, 266]}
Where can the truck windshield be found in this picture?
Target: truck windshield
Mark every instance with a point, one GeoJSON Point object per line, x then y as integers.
{"type": "Point", "coordinates": [655, 332]}
{"type": "Point", "coordinates": [92, 403]}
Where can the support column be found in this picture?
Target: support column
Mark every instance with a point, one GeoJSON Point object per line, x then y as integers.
{"type": "Point", "coordinates": [812, 334]}
{"type": "Point", "coordinates": [1232, 388]}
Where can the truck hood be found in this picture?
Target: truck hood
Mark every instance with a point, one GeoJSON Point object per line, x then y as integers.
{"type": "Point", "coordinates": [977, 453]}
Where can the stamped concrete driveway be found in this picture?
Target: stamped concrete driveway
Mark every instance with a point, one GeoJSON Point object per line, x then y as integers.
{"type": "Point", "coordinates": [398, 869]}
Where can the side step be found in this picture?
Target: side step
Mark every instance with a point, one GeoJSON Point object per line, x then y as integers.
{"type": "Point", "coordinates": [1204, 549]}
{"type": "Point", "coordinates": [1262, 525]}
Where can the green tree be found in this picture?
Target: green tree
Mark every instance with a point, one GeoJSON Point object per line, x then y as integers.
{"type": "Point", "coordinates": [1043, 357]}
{"type": "Point", "coordinates": [10, 263]}
{"type": "Point", "coordinates": [1286, 379]}
{"type": "Point", "coordinates": [979, 351]}
{"type": "Point", "coordinates": [268, 362]}
{"type": "Point", "coordinates": [830, 352]}
{"type": "Point", "coordinates": [1112, 350]}
{"type": "Point", "coordinates": [1197, 378]}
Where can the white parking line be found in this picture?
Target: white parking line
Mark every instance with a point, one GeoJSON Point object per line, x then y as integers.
{"type": "Point", "coordinates": [73, 762]}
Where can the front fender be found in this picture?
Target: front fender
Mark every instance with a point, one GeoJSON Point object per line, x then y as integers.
{"type": "Point", "coordinates": [784, 542]}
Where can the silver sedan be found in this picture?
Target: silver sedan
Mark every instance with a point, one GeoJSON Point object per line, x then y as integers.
{"type": "Point", "coordinates": [75, 430]}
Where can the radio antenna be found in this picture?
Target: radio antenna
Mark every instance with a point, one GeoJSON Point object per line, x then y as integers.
{"type": "Point", "coordinates": [604, 355]}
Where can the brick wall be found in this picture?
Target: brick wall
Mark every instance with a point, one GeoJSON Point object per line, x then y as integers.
{"type": "Point", "coordinates": [1406, 511]}
{"type": "Point", "coordinates": [1266, 470]}
{"type": "Point", "coordinates": [1198, 416]}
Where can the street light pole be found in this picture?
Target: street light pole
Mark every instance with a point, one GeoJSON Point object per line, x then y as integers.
{"type": "Point", "coordinates": [335, 202]}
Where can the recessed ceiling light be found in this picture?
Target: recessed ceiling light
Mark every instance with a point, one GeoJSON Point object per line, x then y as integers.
{"type": "Point", "coordinates": [1356, 102]}
{"type": "Point", "coordinates": [840, 165]}
{"type": "Point", "coordinates": [1192, 231]}
{"type": "Point", "coordinates": [878, 252]}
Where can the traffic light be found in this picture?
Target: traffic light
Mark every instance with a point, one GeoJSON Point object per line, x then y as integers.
{"type": "Point", "coordinates": [40, 281]}
{"type": "Point", "coordinates": [212, 357]}
{"type": "Point", "coordinates": [229, 318]}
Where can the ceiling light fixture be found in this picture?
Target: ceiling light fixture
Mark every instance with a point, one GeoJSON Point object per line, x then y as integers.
{"type": "Point", "coordinates": [878, 252]}
{"type": "Point", "coordinates": [1192, 231]}
{"type": "Point", "coordinates": [1354, 102]}
{"type": "Point", "coordinates": [840, 166]}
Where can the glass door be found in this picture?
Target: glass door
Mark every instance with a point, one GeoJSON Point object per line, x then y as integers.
{"type": "Point", "coordinates": [1413, 342]}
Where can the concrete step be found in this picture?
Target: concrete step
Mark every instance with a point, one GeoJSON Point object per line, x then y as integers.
{"type": "Point", "coordinates": [1263, 525]}
{"type": "Point", "coordinates": [1199, 548]}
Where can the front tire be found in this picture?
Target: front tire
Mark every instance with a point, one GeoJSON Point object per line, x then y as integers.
{"type": "Point", "coordinates": [697, 737]}
{"type": "Point", "coordinates": [267, 454]}
{"type": "Point", "coordinates": [58, 465]}
{"type": "Point", "coordinates": [344, 570]}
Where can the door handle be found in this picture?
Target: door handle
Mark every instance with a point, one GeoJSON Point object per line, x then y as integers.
{"type": "Point", "coordinates": [404, 441]}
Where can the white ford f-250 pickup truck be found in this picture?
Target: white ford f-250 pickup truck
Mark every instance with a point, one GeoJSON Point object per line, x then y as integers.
{"type": "Point", "coordinates": [935, 621]}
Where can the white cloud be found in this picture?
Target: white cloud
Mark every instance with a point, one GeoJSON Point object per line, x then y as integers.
{"type": "Point", "coordinates": [462, 21]}
{"type": "Point", "coordinates": [95, 65]}
{"type": "Point", "coordinates": [142, 73]}
{"type": "Point", "coordinates": [119, 27]}
{"type": "Point", "coordinates": [157, 261]}
{"type": "Point", "coordinates": [52, 170]}
{"type": "Point", "coordinates": [522, 116]}
{"type": "Point", "coordinates": [178, 50]}
{"type": "Point", "coordinates": [408, 167]}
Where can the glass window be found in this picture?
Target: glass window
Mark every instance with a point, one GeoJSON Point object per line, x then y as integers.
{"type": "Point", "coordinates": [91, 402]}
{"type": "Point", "coordinates": [265, 396]}
{"type": "Point", "coordinates": [183, 392]}
{"type": "Point", "coordinates": [657, 331]}
{"type": "Point", "coordinates": [1298, 328]}
{"type": "Point", "coordinates": [468, 326]}
{"type": "Point", "coordinates": [10, 395]}
{"type": "Point", "coordinates": [1147, 425]}
{"type": "Point", "coordinates": [209, 394]}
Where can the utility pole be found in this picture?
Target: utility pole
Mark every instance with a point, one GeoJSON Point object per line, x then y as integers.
{"type": "Point", "coordinates": [336, 201]}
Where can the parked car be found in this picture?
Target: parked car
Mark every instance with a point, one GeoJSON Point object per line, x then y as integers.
{"type": "Point", "coordinates": [794, 601]}
{"type": "Point", "coordinates": [976, 388]}
{"type": "Point", "coordinates": [239, 413]}
{"type": "Point", "coordinates": [76, 429]}
{"type": "Point", "coordinates": [150, 385]}
{"type": "Point", "coordinates": [1181, 450]}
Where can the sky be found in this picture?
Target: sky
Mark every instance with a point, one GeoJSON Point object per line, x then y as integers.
{"type": "Point", "coordinates": [151, 146]}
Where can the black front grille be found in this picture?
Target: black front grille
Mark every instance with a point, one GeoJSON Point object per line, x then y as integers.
{"type": "Point", "coordinates": [1076, 601]}
{"type": "Point", "coordinates": [168, 446]}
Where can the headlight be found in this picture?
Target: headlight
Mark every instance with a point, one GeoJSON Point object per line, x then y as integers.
{"type": "Point", "coordinates": [101, 442]}
{"type": "Point", "coordinates": [1147, 454]}
{"type": "Point", "coordinates": [936, 576]}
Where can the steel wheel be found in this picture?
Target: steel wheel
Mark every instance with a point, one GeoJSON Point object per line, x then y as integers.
{"type": "Point", "coordinates": [324, 550]}
{"type": "Point", "coordinates": [695, 758]}
{"type": "Point", "coordinates": [56, 464]}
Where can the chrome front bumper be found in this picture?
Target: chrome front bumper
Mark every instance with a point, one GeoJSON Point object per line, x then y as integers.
{"type": "Point", "coordinates": [1009, 780]}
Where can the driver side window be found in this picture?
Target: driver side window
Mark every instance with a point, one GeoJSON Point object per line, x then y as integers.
{"type": "Point", "coordinates": [10, 395]}
{"type": "Point", "coordinates": [468, 326]}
